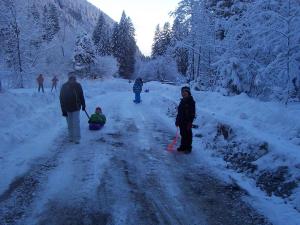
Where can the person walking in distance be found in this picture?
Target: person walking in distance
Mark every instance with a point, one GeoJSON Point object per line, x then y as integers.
{"type": "Point", "coordinates": [184, 120]}
{"type": "Point", "coordinates": [40, 81]}
{"type": "Point", "coordinates": [71, 101]}
{"type": "Point", "coordinates": [54, 83]}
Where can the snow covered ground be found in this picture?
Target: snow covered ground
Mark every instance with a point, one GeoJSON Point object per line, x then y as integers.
{"type": "Point", "coordinates": [123, 174]}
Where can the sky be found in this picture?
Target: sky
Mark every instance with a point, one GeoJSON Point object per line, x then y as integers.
{"type": "Point", "coordinates": [144, 14]}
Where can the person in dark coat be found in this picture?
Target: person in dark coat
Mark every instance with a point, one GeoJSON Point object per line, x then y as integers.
{"type": "Point", "coordinates": [54, 83]}
{"type": "Point", "coordinates": [40, 81]}
{"type": "Point", "coordinates": [71, 101]}
{"type": "Point", "coordinates": [137, 89]}
{"type": "Point", "coordinates": [184, 120]}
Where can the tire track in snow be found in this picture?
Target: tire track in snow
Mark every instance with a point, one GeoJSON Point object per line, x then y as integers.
{"type": "Point", "coordinates": [227, 204]}
{"type": "Point", "coordinates": [17, 200]}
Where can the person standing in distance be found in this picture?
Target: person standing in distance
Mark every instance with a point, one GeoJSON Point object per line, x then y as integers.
{"type": "Point", "coordinates": [137, 89]}
{"type": "Point", "coordinates": [184, 120]}
{"type": "Point", "coordinates": [54, 83]}
{"type": "Point", "coordinates": [40, 81]}
{"type": "Point", "coordinates": [71, 101]}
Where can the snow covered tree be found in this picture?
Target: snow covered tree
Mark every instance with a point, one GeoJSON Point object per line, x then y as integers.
{"type": "Point", "coordinates": [263, 37]}
{"type": "Point", "coordinates": [183, 13]}
{"type": "Point", "coordinates": [124, 46]}
{"type": "Point", "coordinates": [115, 42]}
{"type": "Point", "coordinates": [10, 38]}
{"type": "Point", "coordinates": [84, 53]}
{"type": "Point", "coordinates": [162, 40]}
{"type": "Point", "coordinates": [247, 46]}
{"type": "Point", "coordinates": [179, 31]}
{"type": "Point", "coordinates": [288, 15]}
{"type": "Point", "coordinates": [180, 52]}
{"type": "Point", "coordinates": [166, 36]}
{"type": "Point", "coordinates": [182, 60]}
{"type": "Point", "coordinates": [34, 12]}
{"type": "Point", "coordinates": [203, 38]}
{"type": "Point", "coordinates": [156, 43]}
{"type": "Point", "coordinates": [182, 40]}
{"type": "Point", "coordinates": [101, 37]}
{"type": "Point", "coordinates": [51, 22]}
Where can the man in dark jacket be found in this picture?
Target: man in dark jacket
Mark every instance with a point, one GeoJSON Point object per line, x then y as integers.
{"type": "Point", "coordinates": [71, 100]}
{"type": "Point", "coordinates": [185, 118]}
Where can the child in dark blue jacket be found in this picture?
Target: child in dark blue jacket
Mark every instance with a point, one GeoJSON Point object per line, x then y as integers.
{"type": "Point", "coordinates": [137, 89]}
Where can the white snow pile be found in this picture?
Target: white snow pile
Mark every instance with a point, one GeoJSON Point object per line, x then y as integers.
{"type": "Point", "coordinates": [29, 124]}
{"type": "Point", "coordinates": [259, 140]}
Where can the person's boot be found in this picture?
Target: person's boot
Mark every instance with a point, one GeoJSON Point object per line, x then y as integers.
{"type": "Point", "coordinates": [180, 149]}
{"type": "Point", "coordinates": [188, 151]}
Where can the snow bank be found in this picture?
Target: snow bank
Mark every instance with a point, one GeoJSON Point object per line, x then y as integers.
{"type": "Point", "coordinates": [258, 140]}
{"type": "Point", "coordinates": [30, 122]}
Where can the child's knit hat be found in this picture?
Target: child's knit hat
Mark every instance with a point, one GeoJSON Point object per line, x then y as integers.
{"type": "Point", "coordinates": [187, 89]}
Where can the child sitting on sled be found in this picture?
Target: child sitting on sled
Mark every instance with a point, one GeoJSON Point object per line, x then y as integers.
{"type": "Point", "coordinates": [97, 120]}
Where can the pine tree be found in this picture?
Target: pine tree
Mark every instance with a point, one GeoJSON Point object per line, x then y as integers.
{"type": "Point", "coordinates": [101, 37]}
{"type": "Point", "coordinates": [124, 46]}
{"type": "Point", "coordinates": [166, 36]}
{"type": "Point", "coordinates": [156, 43]}
{"type": "Point", "coordinates": [162, 40]}
{"type": "Point", "coordinates": [10, 37]}
{"type": "Point", "coordinates": [179, 31]}
{"type": "Point", "coordinates": [84, 54]}
{"type": "Point", "coordinates": [182, 60]}
{"type": "Point", "coordinates": [35, 13]}
{"type": "Point", "coordinates": [181, 52]}
{"type": "Point", "coordinates": [182, 40]}
{"type": "Point", "coordinates": [115, 42]}
{"type": "Point", "coordinates": [51, 22]}
{"type": "Point", "coordinates": [263, 38]}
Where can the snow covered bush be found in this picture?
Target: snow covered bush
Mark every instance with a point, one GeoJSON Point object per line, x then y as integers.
{"type": "Point", "coordinates": [161, 69]}
{"type": "Point", "coordinates": [84, 54]}
{"type": "Point", "coordinates": [104, 67]}
{"type": "Point", "coordinates": [230, 74]}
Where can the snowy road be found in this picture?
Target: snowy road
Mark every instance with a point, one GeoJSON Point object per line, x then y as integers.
{"type": "Point", "coordinates": [123, 175]}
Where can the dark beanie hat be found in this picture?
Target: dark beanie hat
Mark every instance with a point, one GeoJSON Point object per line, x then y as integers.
{"type": "Point", "coordinates": [187, 89]}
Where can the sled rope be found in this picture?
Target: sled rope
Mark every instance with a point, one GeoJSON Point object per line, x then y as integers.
{"type": "Point", "coordinates": [173, 143]}
{"type": "Point", "coordinates": [87, 114]}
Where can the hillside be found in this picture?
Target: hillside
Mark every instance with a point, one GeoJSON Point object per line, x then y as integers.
{"type": "Point", "coordinates": [48, 30]}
